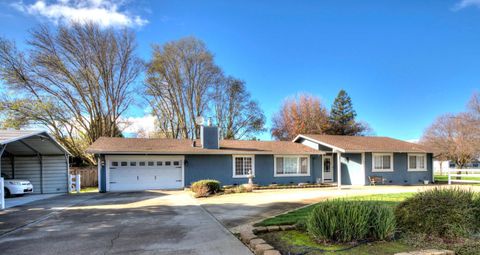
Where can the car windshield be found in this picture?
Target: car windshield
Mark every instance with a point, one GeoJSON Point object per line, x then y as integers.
{"type": "Point", "coordinates": [5, 176]}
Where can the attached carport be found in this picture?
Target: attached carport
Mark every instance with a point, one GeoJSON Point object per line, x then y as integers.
{"type": "Point", "coordinates": [37, 157]}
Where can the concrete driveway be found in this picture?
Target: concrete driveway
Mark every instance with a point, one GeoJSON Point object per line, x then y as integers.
{"type": "Point", "coordinates": [116, 223]}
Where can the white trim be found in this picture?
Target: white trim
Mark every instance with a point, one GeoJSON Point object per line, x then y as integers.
{"type": "Point", "coordinates": [363, 169]}
{"type": "Point", "coordinates": [242, 156]}
{"type": "Point", "coordinates": [99, 171]}
{"type": "Point", "coordinates": [298, 165]}
{"type": "Point", "coordinates": [382, 170]}
{"type": "Point", "coordinates": [331, 167]}
{"type": "Point", "coordinates": [417, 169]}
{"type": "Point", "coordinates": [146, 158]}
{"type": "Point", "coordinates": [334, 148]}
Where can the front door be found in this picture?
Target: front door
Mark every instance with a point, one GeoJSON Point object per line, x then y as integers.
{"type": "Point", "coordinates": [327, 169]}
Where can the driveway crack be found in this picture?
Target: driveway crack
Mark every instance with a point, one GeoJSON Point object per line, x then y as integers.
{"type": "Point", "coordinates": [112, 241]}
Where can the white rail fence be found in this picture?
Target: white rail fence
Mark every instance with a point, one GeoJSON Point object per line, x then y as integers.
{"type": "Point", "coordinates": [74, 183]}
{"type": "Point", "coordinates": [462, 173]}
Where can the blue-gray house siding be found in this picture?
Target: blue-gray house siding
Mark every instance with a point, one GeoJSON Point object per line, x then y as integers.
{"type": "Point", "coordinates": [220, 167]}
{"type": "Point", "coordinates": [400, 174]}
{"type": "Point", "coordinates": [353, 165]}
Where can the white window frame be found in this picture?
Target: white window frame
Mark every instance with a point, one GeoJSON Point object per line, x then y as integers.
{"type": "Point", "coordinates": [275, 174]}
{"type": "Point", "coordinates": [424, 155]}
{"type": "Point", "coordinates": [234, 175]}
{"type": "Point", "coordinates": [381, 155]}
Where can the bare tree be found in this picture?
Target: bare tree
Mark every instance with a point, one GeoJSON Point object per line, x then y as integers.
{"type": "Point", "coordinates": [75, 80]}
{"type": "Point", "coordinates": [179, 83]}
{"type": "Point", "coordinates": [454, 137]}
{"type": "Point", "coordinates": [303, 114]}
{"type": "Point", "coordinates": [237, 115]}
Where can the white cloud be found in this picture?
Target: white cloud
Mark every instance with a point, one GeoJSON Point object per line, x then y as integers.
{"type": "Point", "coordinates": [466, 3]}
{"type": "Point", "coordinates": [413, 140]}
{"type": "Point", "coordinates": [137, 125]}
{"type": "Point", "coordinates": [106, 13]}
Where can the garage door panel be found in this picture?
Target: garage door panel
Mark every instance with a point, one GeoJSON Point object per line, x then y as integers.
{"type": "Point", "coordinates": [142, 173]}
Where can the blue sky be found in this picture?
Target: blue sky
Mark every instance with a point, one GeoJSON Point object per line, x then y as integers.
{"type": "Point", "coordinates": [402, 62]}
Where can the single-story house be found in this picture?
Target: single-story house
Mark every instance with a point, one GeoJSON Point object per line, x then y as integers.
{"type": "Point", "coordinates": [35, 156]}
{"type": "Point", "coordinates": [127, 164]}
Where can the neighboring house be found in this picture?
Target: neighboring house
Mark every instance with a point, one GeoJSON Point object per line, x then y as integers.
{"type": "Point", "coordinates": [442, 167]}
{"type": "Point", "coordinates": [138, 164]}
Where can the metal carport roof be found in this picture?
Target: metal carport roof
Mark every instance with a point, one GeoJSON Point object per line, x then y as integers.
{"type": "Point", "coordinates": [30, 142]}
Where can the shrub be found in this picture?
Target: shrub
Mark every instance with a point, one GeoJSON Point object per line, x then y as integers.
{"type": "Point", "coordinates": [346, 221]}
{"type": "Point", "coordinates": [476, 209]}
{"type": "Point", "coordinates": [382, 222]}
{"type": "Point", "coordinates": [204, 188]}
{"type": "Point", "coordinates": [238, 189]}
{"type": "Point", "coordinates": [445, 213]}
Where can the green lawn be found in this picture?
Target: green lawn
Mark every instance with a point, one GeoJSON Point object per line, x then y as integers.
{"type": "Point", "coordinates": [294, 216]}
{"type": "Point", "coordinates": [444, 178]}
{"type": "Point", "coordinates": [296, 242]}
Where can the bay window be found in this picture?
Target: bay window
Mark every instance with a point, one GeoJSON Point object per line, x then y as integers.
{"type": "Point", "coordinates": [291, 166]}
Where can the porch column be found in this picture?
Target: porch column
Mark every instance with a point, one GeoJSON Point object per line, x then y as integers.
{"type": "Point", "coordinates": [339, 171]}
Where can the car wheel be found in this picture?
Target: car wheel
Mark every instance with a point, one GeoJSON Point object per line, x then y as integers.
{"type": "Point", "coordinates": [7, 192]}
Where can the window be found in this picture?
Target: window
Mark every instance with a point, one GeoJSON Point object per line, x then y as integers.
{"type": "Point", "coordinates": [141, 163]}
{"type": "Point", "coordinates": [133, 163]}
{"type": "Point", "coordinates": [167, 163]}
{"type": "Point", "coordinates": [382, 162]}
{"type": "Point", "coordinates": [243, 166]}
{"type": "Point", "coordinates": [124, 163]}
{"type": "Point", "coordinates": [291, 165]}
{"type": "Point", "coordinates": [417, 162]}
{"type": "Point", "coordinates": [159, 163]}
{"type": "Point", "coordinates": [151, 163]}
{"type": "Point", "coordinates": [114, 163]}
{"type": "Point", "coordinates": [176, 163]}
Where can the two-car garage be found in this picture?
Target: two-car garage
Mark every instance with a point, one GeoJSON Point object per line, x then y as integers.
{"type": "Point", "coordinates": [131, 172]}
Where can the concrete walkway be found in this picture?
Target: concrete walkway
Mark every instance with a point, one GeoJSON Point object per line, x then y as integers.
{"type": "Point", "coordinates": [128, 223]}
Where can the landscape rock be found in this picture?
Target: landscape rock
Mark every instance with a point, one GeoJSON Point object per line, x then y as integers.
{"type": "Point", "coordinates": [273, 228]}
{"type": "Point", "coordinates": [246, 236]}
{"type": "Point", "coordinates": [257, 241]}
{"type": "Point", "coordinates": [260, 230]}
{"type": "Point", "coordinates": [287, 227]}
{"type": "Point", "coordinates": [261, 248]}
{"type": "Point", "coordinates": [272, 252]}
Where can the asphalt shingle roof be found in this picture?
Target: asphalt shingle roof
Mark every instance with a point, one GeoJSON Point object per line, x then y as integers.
{"type": "Point", "coordinates": [111, 145]}
{"type": "Point", "coordinates": [367, 143]}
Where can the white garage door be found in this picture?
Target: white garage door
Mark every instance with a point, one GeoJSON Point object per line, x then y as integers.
{"type": "Point", "coordinates": [129, 173]}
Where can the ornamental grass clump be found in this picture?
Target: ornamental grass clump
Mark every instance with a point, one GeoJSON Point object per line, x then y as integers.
{"type": "Point", "coordinates": [347, 221]}
{"type": "Point", "coordinates": [441, 212]}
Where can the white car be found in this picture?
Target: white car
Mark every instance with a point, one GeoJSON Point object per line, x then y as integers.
{"type": "Point", "coordinates": [15, 186]}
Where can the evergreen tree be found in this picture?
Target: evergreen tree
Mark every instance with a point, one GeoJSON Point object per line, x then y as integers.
{"type": "Point", "coordinates": [342, 117]}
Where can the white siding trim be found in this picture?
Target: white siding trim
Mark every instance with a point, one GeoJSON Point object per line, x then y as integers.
{"type": "Point", "coordinates": [382, 170]}
{"type": "Point", "coordinates": [298, 165]}
{"type": "Point", "coordinates": [417, 169]}
{"type": "Point", "coordinates": [242, 156]}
